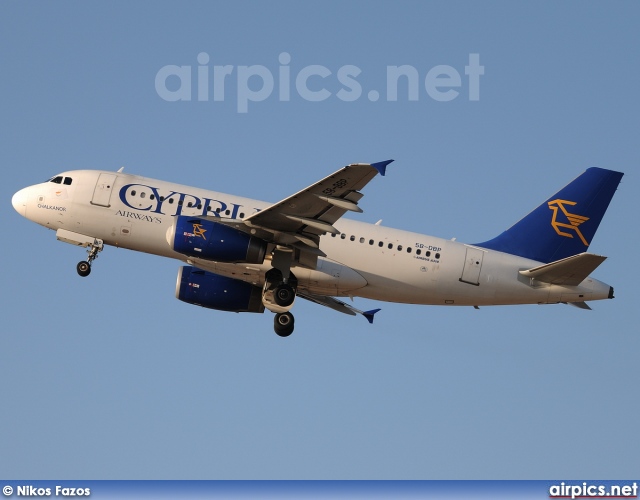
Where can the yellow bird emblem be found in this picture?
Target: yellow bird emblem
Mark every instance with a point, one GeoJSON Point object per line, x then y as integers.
{"type": "Point", "coordinates": [199, 231]}
{"type": "Point", "coordinates": [573, 219]}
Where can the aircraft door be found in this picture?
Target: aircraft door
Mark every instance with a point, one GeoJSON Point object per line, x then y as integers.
{"type": "Point", "coordinates": [472, 266]}
{"type": "Point", "coordinates": [103, 189]}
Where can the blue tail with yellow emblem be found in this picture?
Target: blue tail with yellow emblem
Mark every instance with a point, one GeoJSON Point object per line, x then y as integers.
{"type": "Point", "coordinates": [565, 224]}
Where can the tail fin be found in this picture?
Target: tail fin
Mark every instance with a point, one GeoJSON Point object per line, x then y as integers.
{"type": "Point", "coordinates": [564, 224]}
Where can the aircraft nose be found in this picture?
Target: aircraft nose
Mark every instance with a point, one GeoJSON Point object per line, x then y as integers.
{"type": "Point", "coordinates": [19, 202]}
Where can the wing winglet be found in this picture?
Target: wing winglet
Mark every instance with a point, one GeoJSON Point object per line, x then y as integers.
{"type": "Point", "coordinates": [381, 166]}
{"type": "Point", "coordinates": [369, 315]}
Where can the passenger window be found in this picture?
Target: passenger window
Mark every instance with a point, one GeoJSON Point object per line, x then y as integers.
{"type": "Point", "coordinates": [352, 238]}
{"type": "Point", "coordinates": [152, 196]}
{"type": "Point", "coordinates": [380, 243]}
{"type": "Point", "coordinates": [142, 195]}
{"type": "Point", "coordinates": [437, 256]}
{"type": "Point", "coordinates": [170, 200]}
{"type": "Point", "coordinates": [68, 181]}
{"type": "Point", "coordinates": [361, 240]}
{"type": "Point", "coordinates": [133, 193]}
{"type": "Point", "coordinates": [418, 251]}
{"type": "Point", "coordinates": [343, 236]}
{"type": "Point", "coordinates": [370, 242]}
{"type": "Point", "coordinates": [399, 247]}
{"type": "Point", "coordinates": [408, 249]}
{"type": "Point", "coordinates": [242, 216]}
{"type": "Point", "coordinates": [390, 246]}
{"type": "Point", "coordinates": [333, 235]}
{"type": "Point", "coordinates": [428, 254]}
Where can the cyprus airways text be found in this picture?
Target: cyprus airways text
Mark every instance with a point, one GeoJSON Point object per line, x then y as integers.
{"type": "Point", "coordinates": [135, 196]}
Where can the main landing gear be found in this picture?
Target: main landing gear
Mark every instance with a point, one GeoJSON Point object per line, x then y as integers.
{"type": "Point", "coordinates": [279, 292]}
{"type": "Point", "coordinates": [284, 295]}
{"type": "Point", "coordinates": [84, 267]}
{"type": "Point", "coordinates": [283, 324]}
{"type": "Point", "coordinates": [278, 297]}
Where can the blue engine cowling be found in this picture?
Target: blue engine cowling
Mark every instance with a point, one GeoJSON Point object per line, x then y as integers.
{"type": "Point", "coordinates": [213, 291]}
{"type": "Point", "coordinates": [207, 239]}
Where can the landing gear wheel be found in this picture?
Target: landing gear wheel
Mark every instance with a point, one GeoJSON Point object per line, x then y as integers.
{"type": "Point", "coordinates": [83, 268]}
{"type": "Point", "coordinates": [283, 324]}
{"type": "Point", "coordinates": [284, 295]}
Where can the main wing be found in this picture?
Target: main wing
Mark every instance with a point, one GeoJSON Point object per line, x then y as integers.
{"type": "Point", "coordinates": [338, 305]}
{"type": "Point", "coordinates": [299, 220]}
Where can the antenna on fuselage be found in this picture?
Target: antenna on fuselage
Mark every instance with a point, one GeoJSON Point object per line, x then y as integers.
{"type": "Point", "coordinates": [120, 169]}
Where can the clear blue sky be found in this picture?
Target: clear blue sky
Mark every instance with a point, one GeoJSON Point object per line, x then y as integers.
{"type": "Point", "coordinates": [112, 377]}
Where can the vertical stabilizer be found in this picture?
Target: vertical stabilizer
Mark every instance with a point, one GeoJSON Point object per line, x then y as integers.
{"type": "Point", "coordinates": [565, 224]}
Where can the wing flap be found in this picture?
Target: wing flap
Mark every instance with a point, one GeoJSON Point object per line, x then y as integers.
{"type": "Point", "coordinates": [570, 271]}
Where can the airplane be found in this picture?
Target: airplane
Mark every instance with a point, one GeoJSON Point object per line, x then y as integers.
{"type": "Point", "coordinates": [245, 255]}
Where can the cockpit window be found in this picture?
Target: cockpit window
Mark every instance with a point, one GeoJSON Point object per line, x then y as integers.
{"type": "Point", "coordinates": [57, 180]}
{"type": "Point", "coordinates": [67, 181]}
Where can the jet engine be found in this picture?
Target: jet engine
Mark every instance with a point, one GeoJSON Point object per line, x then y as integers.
{"type": "Point", "coordinates": [207, 239]}
{"type": "Point", "coordinates": [213, 291]}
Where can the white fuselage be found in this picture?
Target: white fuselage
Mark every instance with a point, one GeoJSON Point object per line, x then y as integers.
{"type": "Point", "coordinates": [365, 260]}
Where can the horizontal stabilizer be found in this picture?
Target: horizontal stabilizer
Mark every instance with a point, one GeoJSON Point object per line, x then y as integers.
{"type": "Point", "coordinates": [570, 271]}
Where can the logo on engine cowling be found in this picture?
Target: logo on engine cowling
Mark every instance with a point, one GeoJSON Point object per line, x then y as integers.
{"type": "Point", "coordinates": [199, 231]}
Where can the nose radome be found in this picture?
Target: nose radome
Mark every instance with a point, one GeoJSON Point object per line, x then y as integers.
{"type": "Point", "coordinates": [19, 202]}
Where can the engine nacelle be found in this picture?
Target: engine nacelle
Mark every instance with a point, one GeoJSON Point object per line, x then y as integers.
{"type": "Point", "coordinates": [213, 291]}
{"type": "Point", "coordinates": [207, 239]}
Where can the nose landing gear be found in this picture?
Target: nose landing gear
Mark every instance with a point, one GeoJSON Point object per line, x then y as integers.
{"type": "Point", "coordinates": [84, 267]}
